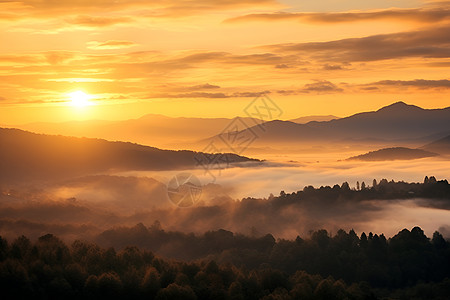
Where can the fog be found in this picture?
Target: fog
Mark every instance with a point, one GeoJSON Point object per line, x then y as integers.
{"type": "Point", "coordinates": [84, 207]}
{"type": "Point", "coordinates": [274, 176]}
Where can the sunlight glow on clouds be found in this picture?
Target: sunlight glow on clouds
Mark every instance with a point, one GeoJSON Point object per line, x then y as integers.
{"type": "Point", "coordinates": [147, 51]}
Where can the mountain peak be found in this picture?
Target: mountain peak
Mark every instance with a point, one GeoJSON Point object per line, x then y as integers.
{"type": "Point", "coordinates": [399, 107]}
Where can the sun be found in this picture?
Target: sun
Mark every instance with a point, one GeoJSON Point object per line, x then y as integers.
{"type": "Point", "coordinates": [80, 99]}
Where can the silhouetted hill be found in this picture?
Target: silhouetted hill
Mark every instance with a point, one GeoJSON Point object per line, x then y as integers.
{"type": "Point", "coordinates": [397, 153]}
{"type": "Point", "coordinates": [441, 146]}
{"type": "Point", "coordinates": [396, 122]}
{"type": "Point", "coordinates": [151, 129]}
{"type": "Point", "coordinates": [25, 155]}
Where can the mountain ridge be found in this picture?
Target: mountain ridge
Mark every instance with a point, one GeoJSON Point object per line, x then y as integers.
{"type": "Point", "coordinates": [396, 122]}
{"type": "Point", "coordinates": [25, 155]}
{"type": "Point", "coordinates": [393, 153]}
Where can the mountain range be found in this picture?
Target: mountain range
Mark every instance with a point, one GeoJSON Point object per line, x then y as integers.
{"type": "Point", "coordinates": [399, 122]}
{"type": "Point", "coordinates": [151, 129]}
{"type": "Point", "coordinates": [396, 123]}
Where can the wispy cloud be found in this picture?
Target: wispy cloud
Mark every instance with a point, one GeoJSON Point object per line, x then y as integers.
{"type": "Point", "coordinates": [153, 8]}
{"type": "Point", "coordinates": [416, 15]}
{"type": "Point", "coordinates": [427, 43]}
{"type": "Point", "coordinates": [317, 87]}
{"type": "Point", "coordinates": [111, 44]}
{"type": "Point", "coordinates": [417, 83]}
{"type": "Point", "coordinates": [321, 86]}
{"type": "Point", "coordinates": [95, 21]}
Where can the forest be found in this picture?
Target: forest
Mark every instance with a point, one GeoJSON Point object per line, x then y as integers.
{"type": "Point", "coordinates": [152, 262]}
{"type": "Point", "coordinates": [408, 265]}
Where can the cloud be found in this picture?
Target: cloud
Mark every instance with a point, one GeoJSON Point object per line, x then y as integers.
{"type": "Point", "coordinates": [282, 66]}
{"type": "Point", "coordinates": [321, 86]}
{"type": "Point", "coordinates": [192, 95]}
{"type": "Point", "coordinates": [428, 43]}
{"type": "Point", "coordinates": [206, 86]}
{"type": "Point", "coordinates": [210, 95]}
{"type": "Point", "coordinates": [111, 44]}
{"type": "Point", "coordinates": [416, 15]}
{"type": "Point", "coordinates": [59, 57]}
{"type": "Point", "coordinates": [198, 91]}
{"type": "Point", "coordinates": [250, 94]}
{"type": "Point", "coordinates": [92, 21]}
{"type": "Point", "coordinates": [18, 59]}
{"type": "Point", "coordinates": [158, 8]}
{"type": "Point", "coordinates": [417, 83]}
{"type": "Point", "coordinates": [329, 67]}
{"type": "Point", "coordinates": [195, 88]}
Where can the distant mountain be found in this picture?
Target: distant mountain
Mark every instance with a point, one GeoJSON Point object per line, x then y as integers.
{"type": "Point", "coordinates": [155, 130]}
{"type": "Point", "coordinates": [396, 122]}
{"type": "Point", "coordinates": [25, 155]}
{"type": "Point", "coordinates": [441, 146]}
{"type": "Point", "coordinates": [397, 153]}
{"type": "Point", "coordinates": [307, 119]}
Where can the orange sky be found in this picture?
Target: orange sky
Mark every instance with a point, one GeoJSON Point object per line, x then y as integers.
{"type": "Point", "coordinates": [212, 58]}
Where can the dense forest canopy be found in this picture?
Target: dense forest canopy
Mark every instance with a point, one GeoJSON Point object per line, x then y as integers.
{"type": "Point", "coordinates": [344, 266]}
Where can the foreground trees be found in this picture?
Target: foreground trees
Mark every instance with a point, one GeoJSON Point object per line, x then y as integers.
{"type": "Point", "coordinates": [344, 266]}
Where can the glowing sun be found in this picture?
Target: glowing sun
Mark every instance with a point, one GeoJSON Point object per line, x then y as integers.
{"type": "Point", "coordinates": [80, 99]}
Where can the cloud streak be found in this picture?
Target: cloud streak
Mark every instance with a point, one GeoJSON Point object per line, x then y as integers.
{"type": "Point", "coordinates": [427, 43]}
{"type": "Point", "coordinates": [154, 8]}
{"type": "Point", "coordinates": [95, 21]}
{"type": "Point", "coordinates": [417, 83]}
{"type": "Point", "coordinates": [415, 15]}
{"type": "Point", "coordinates": [111, 44]}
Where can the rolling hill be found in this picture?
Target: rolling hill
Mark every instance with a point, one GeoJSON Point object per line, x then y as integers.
{"type": "Point", "coordinates": [441, 146]}
{"type": "Point", "coordinates": [26, 156]}
{"type": "Point", "coordinates": [396, 153]}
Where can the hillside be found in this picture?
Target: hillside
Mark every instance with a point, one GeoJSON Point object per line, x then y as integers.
{"type": "Point", "coordinates": [397, 153]}
{"type": "Point", "coordinates": [25, 155]}
{"type": "Point", "coordinates": [151, 129]}
{"type": "Point", "coordinates": [307, 119]}
{"type": "Point", "coordinates": [441, 146]}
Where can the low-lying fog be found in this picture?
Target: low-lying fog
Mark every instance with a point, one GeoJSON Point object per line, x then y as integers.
{"type": "Point", "coordinates": [84, 207]}
{"type": "Point", "coordinates": [292, 173]}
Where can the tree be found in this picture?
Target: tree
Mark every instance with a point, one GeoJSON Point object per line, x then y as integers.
{"type": "Point", "coordinates": [363, 185]}
{"type": "Point", "coordinates": [151, 283]}
{"type": "Point", "coordinates": [345, 186]}
{"type": "Point", "coordinates": [109, 285]}
{"type": "Point", "coordinates": [20, 247]}
{"type": "Point", "coordinates": [175, 292]}
{"type": "Point", "coordinates": [438, 241]}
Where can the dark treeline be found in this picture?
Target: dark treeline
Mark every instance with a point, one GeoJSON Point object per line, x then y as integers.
{"type": "Point", "coordinates": [430, 188]}
{"type": "Point", "coordinates": [344, 266]}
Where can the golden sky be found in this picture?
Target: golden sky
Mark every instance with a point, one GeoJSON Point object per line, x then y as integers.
{"type": "Point", "coordinates": [211, 58]}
